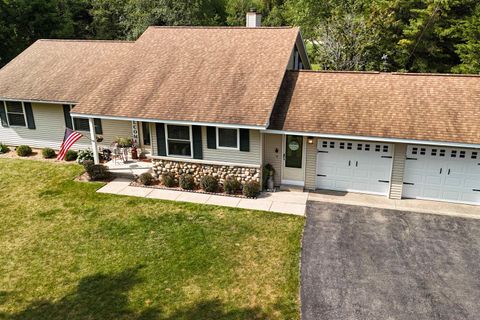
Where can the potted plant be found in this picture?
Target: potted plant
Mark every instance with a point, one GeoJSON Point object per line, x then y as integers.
{"type": "Point", "coordinates": [268, 174]}
{"type": "Point", "coordinates": [124, 144]}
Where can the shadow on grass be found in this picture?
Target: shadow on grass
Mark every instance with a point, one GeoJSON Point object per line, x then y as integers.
{"type": "Point", "coordinates": [106, 297]}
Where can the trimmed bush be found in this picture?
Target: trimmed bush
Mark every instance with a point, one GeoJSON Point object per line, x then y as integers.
{"type": "Point", "coordinates": [84, 155]}
{"type": "Point", "coordinates": [187, 182]}
{"type": "Point", "coordinates": [251, 189]}
{"type": "Point", "coordinates": [231, 185]}
{"type": "Point", "coordinates": [96, 171]}
{"type": "Point", "coordinates": [209, 183]}
{"type": "Point", "coordinates": [146, 179]}
{"type": "Point", "coordinates": [24, 151]}
{"type": "Point", "coordinates": [3, 148]}
{"type": "Point", "coordinates": [168, 180]}
{"type": "Point", "coordinates": [48, 153]}
{"type": "Point", "coordinates": [71, 155]}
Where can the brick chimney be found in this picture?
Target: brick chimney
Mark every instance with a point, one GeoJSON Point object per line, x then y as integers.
{"type": "Point", "coordinates": [254, 19]}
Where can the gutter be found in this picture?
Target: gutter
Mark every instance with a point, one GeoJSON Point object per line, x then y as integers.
{"type": "Point", "coordinates": [379, 139]}
{"type": "Point", "coordinates": [179, 122]}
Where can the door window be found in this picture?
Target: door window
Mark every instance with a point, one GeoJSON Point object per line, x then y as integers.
{"type": "Point", "coordinates": [294, 151]}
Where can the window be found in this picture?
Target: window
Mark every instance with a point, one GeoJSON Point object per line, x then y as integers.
{"type": "Point", "coordinates": [367, 147]}
{"type": "Point", "coordinates": [227, 138]}
{"type": "Point", "coordinates": [179, 141]}
{"type": "Point", "coordinates": [474, 155]}
{"type": "Point", "coordinates": [349, 145]}
{"type": "Point", "coordinates": [15, 114]}
{"type": "Point", "coordinates": [146, 133]}
{"type": "Point", "coordinates": [80, 124]}
{"type": "Point", "coordinates": [332, 145]}
{"type": "Point", "coordinates": [359, 146]}
{"type": "Point", "coordinates": [342, 145]}
{"type": "Point", "coordinates": [434, 152]}
{"type": "Point", "coordinates": [377, 149]}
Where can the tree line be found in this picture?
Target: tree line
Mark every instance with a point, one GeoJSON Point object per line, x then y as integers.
{"type": "Point", "coordinates": [384, 35]}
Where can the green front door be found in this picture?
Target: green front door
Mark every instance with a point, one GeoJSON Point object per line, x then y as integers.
{"type": "Point", "coordinates": [293, 151]}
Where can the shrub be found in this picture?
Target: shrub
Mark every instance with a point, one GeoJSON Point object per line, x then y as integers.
{"type": "Point", "coordinates": [71, 155]}
{"type": "Point", "coordinates": [84, 155]}
{"type": "Point", "coordinates": [146, 179]}
{"type": "Point", "coordinates": [168, 179]}
{"type": "Point", "coordinates": [251, 189]}
{"type": "Point", "coordinates": [231, 185]}
{"type": "Point", "coordinates": [124, 142]}
{"type": "Point", "coordinates": [96, 171]}
{"type": "Point", "coordinates": [24, 151]}
{"type": "Point", "coordinates": [48, 153]}
{"type": "Point", "coordinates": [209, 183]}
{"type": "Point", "coordinates": [3, 148]}
{"type": "Point", "coordinates": [187, 182]}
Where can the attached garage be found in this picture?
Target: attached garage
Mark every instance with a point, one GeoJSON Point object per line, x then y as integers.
{"type": "Point", "coordinates": [440, 173]}
{"type": "Point", "coordinates": [354, 166]}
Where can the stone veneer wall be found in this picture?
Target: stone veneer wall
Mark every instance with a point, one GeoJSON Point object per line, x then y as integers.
{"type": "Point", "coordinates": [198, 170]}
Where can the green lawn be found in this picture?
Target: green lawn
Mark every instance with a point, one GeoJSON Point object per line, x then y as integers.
{"type": "Point", "coordinates": [67, 252]}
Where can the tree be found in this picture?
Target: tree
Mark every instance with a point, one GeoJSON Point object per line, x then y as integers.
{"type": "Point", "coordinates": [343, 43]}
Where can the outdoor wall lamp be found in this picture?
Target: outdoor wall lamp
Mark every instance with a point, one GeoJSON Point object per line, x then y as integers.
{"type": "Point", "coordinates": [310, 140]}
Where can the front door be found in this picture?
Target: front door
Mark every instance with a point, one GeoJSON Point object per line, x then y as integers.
{"type": "Point", "coordinates": [293, 168]}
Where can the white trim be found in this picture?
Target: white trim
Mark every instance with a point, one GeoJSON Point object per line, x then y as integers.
{"type": "Point", "coordinates": [293, 182]}
{"type": "Point", "coordinates": [190, 140]}
{"type": "Point", "coordinates": [23, 110]}
{"type": "Point", "coordinates": [175, 122]}
{"type": "Point", "coordinates": [201, 161]}
{"type": "Point", "coordinates": [379, 139]}
{"type": "Point", "coordinates": [227, 148]}
{"type": "Point", "coordinates": [39, 101]}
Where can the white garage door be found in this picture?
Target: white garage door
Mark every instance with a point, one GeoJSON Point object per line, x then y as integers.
{"type": "Point", "coordinates": [437, 173]}
{"type": "Point", "coordinates": [354, 166]}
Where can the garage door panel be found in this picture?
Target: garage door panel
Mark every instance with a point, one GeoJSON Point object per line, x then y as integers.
{"type": "Point", "coordinates": [441, 173]}
{"type": "Point", "coordinates": [358, 166]}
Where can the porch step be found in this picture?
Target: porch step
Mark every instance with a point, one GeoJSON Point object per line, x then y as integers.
{"type": "Point", "coordinates": [291, 188]}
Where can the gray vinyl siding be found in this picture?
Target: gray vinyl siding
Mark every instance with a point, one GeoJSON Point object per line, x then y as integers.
{"type": "Point", "coordinates": [253, 156]}
{"type": "Point", "coordinates": [50, 128]}
{"type": "Point", "coordinates": [273, 142]}
{"type": "Point", "coordinates": [398, 169]}
{"type": "Point", "coordinates": [311, 166]}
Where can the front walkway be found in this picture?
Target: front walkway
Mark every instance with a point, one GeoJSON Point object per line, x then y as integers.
{"type": "Point", "coordinates": [282, 201]}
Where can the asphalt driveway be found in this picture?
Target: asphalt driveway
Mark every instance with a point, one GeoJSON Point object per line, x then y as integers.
{"type": "Point", "coordinates": [366, 263]}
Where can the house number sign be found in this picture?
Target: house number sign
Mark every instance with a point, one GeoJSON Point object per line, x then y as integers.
{"type": "Point", "coordinates": [135, 135]}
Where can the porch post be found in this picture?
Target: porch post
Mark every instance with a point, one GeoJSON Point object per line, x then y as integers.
{"type": "Point", "coordinates": [93, 139]}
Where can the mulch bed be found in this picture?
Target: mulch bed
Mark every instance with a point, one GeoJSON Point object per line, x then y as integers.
{"type": "Point", "coordinates": [157, 185]}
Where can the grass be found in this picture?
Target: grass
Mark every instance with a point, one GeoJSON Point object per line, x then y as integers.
{"type": "Point", "coordinates": [67, 252]}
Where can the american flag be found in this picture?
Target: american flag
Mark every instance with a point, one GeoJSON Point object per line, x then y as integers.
{"type": "Point", "coordinates": [69, 139]}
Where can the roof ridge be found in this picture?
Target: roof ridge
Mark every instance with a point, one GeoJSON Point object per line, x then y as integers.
{"type": "Point", "coordinates": [221, 27]}
{"type": "Point", "coordinates": [336, 71]}
{"type": "Point", "coordinates": [87, 40]}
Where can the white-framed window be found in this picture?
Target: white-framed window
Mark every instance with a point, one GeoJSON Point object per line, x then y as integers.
{"type": "Point", "coordinates": [179, 140]}
{"type": "Point", "coordinates": [228, 138]}
{"type": "Point", "coordinates": [15, 111]}
{"type": "Point", "coordinates": [80, 124]}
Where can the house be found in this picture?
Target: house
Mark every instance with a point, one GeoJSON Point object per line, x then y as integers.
{"type": "Point", "coordinates": [229, 100]}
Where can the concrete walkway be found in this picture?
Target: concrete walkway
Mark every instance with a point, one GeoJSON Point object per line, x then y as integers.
{"type": "Point", "coordinates": [282, 201]}
{"type": "Point", "coordinates": [411, 205]}
{"type": "Point", "coordinates": [128, 169]}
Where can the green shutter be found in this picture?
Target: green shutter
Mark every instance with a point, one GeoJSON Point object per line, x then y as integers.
{"type": "Point", "coordinates": [29, 114]}
{"type": "Point", "coordinates": [197, 142]}
{"type": "Point", "coordinates": [68, 118]}
{"type": "Point", "coordinates": [161, 145]}
{"type": "Point", "coordinates": [3, 115]}
{"type": "Point", "coordinates": [244, 140]}
{"type": "Point", "coordinates": [211, 138]}
{"type": "Point", "coordinates": [98, 126]}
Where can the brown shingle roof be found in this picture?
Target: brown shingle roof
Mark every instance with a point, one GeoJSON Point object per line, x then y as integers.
{"type": "Point", "coordinates": [198, 74]}
{"type": "Point", "coordinates": [59, 70]}
{"type": "Point", "coordinates": [404, 106]}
